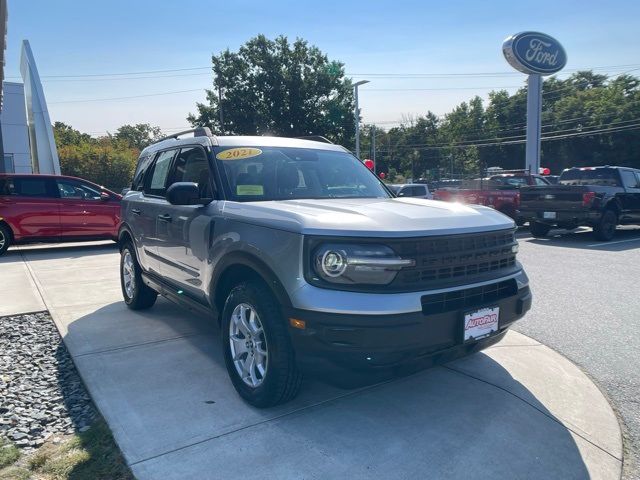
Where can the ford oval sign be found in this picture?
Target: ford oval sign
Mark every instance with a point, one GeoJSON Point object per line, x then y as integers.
{"type": "Point", "coordinates": [534, 52]}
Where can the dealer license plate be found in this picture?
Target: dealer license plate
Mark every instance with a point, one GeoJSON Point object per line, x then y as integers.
{"type": "Point", "coordinates": [481, 323]}
{"type": "Point", "coordinates": [549, 215]}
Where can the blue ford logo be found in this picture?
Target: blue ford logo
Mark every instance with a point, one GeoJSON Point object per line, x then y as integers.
{"type": "Point", "coordinates": [534, 52]}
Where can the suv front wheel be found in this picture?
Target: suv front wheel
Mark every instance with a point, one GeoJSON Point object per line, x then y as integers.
{"type": "Point", "coordinates": [137, 295]}
{"type": "Point", "coordinates": [257, 348]}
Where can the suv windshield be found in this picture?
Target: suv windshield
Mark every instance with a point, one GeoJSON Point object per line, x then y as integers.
{"type": "Point", "coordinates": [279, 173]}
{"type": "Point", "coordinates": [597, 176]}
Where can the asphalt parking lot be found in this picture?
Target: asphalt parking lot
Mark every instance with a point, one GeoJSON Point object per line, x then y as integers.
{"type": "Point", "coordinates": [587, 307]}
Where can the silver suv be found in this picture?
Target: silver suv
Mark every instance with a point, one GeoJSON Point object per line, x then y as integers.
{"type": "Point", "coordinates": [309, 263]}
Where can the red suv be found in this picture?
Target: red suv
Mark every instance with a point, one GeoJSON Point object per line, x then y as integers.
{"type": "Point", "coordinates": [48, 208]}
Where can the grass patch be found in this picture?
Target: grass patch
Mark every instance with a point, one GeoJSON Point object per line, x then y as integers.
{"type": "Point", "coordinates": [91, 455]}
{"type": "Point", "coordinates": [9, 453]}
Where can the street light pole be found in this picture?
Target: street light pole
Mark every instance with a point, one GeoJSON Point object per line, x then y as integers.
{"type": "Point", "coordinates": [357, 115]}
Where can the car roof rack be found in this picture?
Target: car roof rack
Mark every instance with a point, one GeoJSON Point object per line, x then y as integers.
{"type": "Point", "coordinates": [316, 138]}
{"type": "Point", "coordinates": [197, 132]}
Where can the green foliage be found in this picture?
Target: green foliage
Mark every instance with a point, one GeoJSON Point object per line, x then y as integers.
{"type": "Point", "coordinates": [109, 161]}
{"type": "Point", "coordinates": [474, 136]}
{"type": "Point", "coordinates": [88, 455]}
{"type": "Point", "coordinates": [273, 87]}
{"type": "Point", "coordinates": [9, 453]}
{"type": "Point", "coordinates": [138, 136]}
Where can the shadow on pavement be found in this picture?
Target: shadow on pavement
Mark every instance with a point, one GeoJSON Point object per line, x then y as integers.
{"type": "Point", "coordinates": [159, 379]}
{"type": "Point", "coordinates": [625, 239]}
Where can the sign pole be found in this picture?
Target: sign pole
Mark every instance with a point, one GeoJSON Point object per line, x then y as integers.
{"type": "Point", "coordinates": [534, 125]}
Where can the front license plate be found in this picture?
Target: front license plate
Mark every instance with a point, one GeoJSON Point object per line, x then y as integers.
{"type": "Point", "coordinates": [481, 323]}
{"type": "Point", "coordinates": [549, 215]}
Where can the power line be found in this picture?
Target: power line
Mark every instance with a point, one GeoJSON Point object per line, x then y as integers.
{"type": "Point", "coordinates": [135, 74]}
{"type": "Point", "coordinates": [632, 127]}
{"type": "Point", "coordinates": [127, 98]}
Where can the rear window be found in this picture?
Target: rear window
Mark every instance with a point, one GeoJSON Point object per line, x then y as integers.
{"type": "Point", "coordinates": [597, 176]}
{"type": "Point", "coordinates": [24, 187]}
{"type": "Point", "coordinates": [138, 177]}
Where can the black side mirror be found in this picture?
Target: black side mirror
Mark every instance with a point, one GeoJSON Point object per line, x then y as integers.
{"type": "Point", "coordinates": [402, 194]}
{"type": "Point", "coordinates": [184, 193]}
{"type": "Point", "coordinates": [104, 196]}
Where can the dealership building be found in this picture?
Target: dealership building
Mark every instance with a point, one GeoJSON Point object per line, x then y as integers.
{"type": "Point", "coordinates": [27, 144]}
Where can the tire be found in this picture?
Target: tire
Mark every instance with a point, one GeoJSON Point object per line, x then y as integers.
{"type": "Point", "coordinates": [137, 295]}
{"type": "Point", "coordinates": [258, 353]}
{"type": "Point", "coordinates": [5, 238]}
{"type": "Point", "coordinates": [539, 230]}
{"type": "Point", "coordinates": [605, 230]}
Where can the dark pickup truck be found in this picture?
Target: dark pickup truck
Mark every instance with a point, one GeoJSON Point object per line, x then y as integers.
{"type": "Point", "coordinates": [598, 197]}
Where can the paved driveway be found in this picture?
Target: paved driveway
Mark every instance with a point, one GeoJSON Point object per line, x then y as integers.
{"type": "Point", "coordinates": [518, 410]}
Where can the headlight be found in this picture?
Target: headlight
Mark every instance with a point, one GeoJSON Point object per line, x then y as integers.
{"type": "Point", "coordinates": [357, 264]}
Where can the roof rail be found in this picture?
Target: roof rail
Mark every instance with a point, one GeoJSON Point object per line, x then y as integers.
{"type": "Point", "coordinates": [316, 138]}
{"type": "Point", "coordinates": [197, 132]}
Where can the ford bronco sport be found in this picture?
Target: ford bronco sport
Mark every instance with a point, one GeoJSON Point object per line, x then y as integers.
{"type": "Point", "coordinates": [308, 261]}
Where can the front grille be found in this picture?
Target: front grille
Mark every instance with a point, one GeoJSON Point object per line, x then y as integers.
{"type": "Point", "coordinates": [468, 297]}
{"type": "Point", "coordinates": [455, 260]}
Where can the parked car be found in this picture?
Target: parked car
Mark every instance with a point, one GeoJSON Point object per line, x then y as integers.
{"type": "Point", "coordinates": [48, 208]}
{"type": "Point", "coordinates": [598, 197]}
{"type": "Point", "coordinates": [501, 191]}
{"type": "Point", "coordinates": [411, 190]}
{"type": "Point", "coordinates": [308, 262]}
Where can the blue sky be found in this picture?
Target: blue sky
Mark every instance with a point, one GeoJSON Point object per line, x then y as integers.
{"type": "Point", "coordinates": [376, 37]}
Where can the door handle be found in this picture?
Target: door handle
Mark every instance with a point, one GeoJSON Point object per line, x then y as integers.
{"type": "Point", "coordinates": [136, 211]}
{"type": "Point", "coordinates": [165, 218]}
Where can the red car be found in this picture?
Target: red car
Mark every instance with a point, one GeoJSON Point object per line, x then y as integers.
{"type": "Point", "coordinates": [51, 208]}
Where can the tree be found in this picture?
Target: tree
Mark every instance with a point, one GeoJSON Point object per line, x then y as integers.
{"type": "Point", "coordinates": [101, 161]}
{"type": "Point", "coordinates": [106, 160]}
{"type": "Point", "coordinates": [66, 135]}
{"type": "Point", "coordinates": [275, 87]}
{"type": "Point", "coordinates": [139, 135]}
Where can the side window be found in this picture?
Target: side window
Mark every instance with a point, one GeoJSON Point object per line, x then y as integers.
{"type": "Point", "coordinates": [77, 190]}
{"type": "Point", "coordinates": [7, 186]}
{"type": "Point", "coordinates": [638, 178]}
{"type": "Point", "coordinates": [629, 179]}
{"type": "Point", "coordinates": [191, 165]}
{"type": "Point", "coordinates": [540, 182]}
{"type": "Point", "coordinates": [31, 187]}
{"type": "Point", "coordinates": [138, 177]}
{"type": "Point", "coordinates": [156, 182]}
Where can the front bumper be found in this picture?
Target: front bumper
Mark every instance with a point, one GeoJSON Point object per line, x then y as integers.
{"type": "Point", "coordinates": [366, 341]}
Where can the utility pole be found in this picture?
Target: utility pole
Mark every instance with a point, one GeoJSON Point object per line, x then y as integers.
{"type": "Point", "coordinates": [373, 148]}
{"type": "Point", "coordinates": [220, 108]}
{"type": "Point", "coordinates": [357, 115]}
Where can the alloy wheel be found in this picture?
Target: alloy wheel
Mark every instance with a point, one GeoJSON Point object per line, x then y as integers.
{"type": "Point", "coordinates": [248, 344]}
{"type": "Point", "coordinates": [128, 274]}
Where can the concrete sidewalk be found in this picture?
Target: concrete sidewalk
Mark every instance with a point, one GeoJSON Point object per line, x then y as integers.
{"type": "Point", "coordinates": [518, 410]}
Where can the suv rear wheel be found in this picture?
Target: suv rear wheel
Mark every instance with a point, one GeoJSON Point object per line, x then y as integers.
{"type": "Point", "coordinates": [137, 295]}
{"type": "Point", "coordinates": [257, 348]}
{"type": "Point", "coordinates": [5, 238]}
{"type": "Point", "coordinates": [538, 229]}
{"type": "Point", "coordinates": [606, 228]}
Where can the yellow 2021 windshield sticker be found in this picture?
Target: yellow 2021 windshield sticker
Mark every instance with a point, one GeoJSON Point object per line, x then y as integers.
{"type": "Point", "coordinates": [238, 153]}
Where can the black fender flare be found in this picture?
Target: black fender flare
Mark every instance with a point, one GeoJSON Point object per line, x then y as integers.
{"type": "Point", "coordinates": [248, 260]}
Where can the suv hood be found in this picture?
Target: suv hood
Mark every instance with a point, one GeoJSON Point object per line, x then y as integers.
{"type": "Point", "coordinates": [363, 217]}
